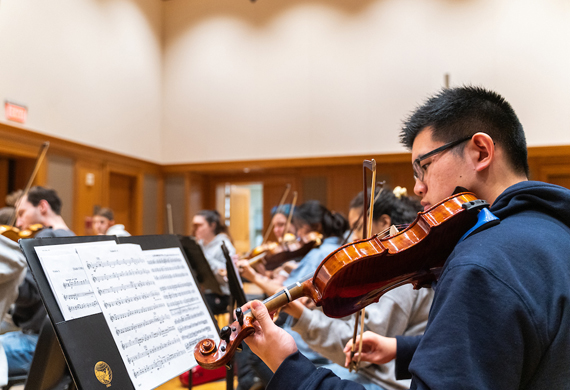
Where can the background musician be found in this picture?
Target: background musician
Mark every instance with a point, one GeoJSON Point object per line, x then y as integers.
{"type": "Point", "coordinates": [500, 318]}
{"type": "Point", "coordinates": [279, 220]}
{"type": "Point", "coordinates": [40, 206]}
{"type": "Point", "coordinates": [103, 222]}
{"type": "Point", "coordinates": [210, 231]}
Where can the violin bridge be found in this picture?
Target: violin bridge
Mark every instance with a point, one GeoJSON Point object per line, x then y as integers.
{"type": "Point", "coordinates": [393, 230]}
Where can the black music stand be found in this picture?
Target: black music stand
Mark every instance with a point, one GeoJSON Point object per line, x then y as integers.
{"type": "Point", "coordinates": [237, 297]}
{"type": "Point", "coordinates": [90, 333]}
{"type": "Point", "coordinates": [199, 265]}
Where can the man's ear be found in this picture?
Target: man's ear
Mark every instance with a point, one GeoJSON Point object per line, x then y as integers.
{"type": "Point", "coordinates": [44, 206]}
{"type": "Point", "coordinates": [481, 150]}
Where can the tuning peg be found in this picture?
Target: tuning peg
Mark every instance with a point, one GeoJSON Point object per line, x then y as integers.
{"type": "Point", "coordinates": [239, 348]}
{"type": "Point", "coordinates": [239, 316]}
{"type": "Point", "coordinates": [225, 334]}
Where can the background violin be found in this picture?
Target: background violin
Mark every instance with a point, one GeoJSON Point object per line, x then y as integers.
{"type": "Point", "coordinates": [357, 274]}
{"type": "Point", "coordinates": [12, 232]}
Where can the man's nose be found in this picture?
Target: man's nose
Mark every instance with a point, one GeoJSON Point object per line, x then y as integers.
{"type": "Point", "coordinates": [420, 188]}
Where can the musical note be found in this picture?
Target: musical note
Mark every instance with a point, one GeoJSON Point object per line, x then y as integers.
{"type": "Point", "coordinates": [83, 306]}
{"type": "Point", "coordinates": [146, 337]}
{"type": "Point", "coordinates": [128, 313]}
{"type": "Point", "coordinates": [77, 296]}
{"type": "Point", "coordinates": [75, 283]}
{"type": "Point", "coordinates": [123, 287]}
{"type": "Point", "coordinates": [153, 350]}
{"type": "Point", "coordinates": [119, 275]}
{"type": "Point", "coordinates": [158, 363]}
{"type": "Point", "coordinates": [176, 286]}
{"type": "Point", "coordinates": [94, 265]}
{"type": "Point", "coordinates": [127, 300]}
{"type": "Point", "coordinates": [171, 276]}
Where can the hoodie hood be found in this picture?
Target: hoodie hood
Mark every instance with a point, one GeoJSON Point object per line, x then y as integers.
{"type": "Point", "coordinates": [547, 198]}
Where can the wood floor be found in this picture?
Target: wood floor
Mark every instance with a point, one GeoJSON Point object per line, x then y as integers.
{"type": "Point", "coordinates": [175, 384]}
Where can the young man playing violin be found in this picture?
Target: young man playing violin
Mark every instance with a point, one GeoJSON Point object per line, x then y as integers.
{"type": "Point", "coordinates": [501, 312]}
{"type": "Point", "coordinates": [39, 206]}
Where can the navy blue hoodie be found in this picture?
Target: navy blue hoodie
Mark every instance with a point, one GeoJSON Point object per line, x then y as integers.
{"type": "Point", "coordinates": [501, 312]}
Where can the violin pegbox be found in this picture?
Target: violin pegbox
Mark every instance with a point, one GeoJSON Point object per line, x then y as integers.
{"type": "Point", "coordinates": [210, 356]}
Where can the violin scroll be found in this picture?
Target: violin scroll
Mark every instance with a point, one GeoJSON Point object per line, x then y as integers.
{"type": "Point", "coordinates": [210, 356]}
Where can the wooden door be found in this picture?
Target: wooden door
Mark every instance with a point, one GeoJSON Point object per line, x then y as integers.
{"type": "Point", "coordinates": [122, 199]}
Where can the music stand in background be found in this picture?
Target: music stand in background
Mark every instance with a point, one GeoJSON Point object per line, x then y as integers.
{"type": "Point", "coordinates": [200, 266]}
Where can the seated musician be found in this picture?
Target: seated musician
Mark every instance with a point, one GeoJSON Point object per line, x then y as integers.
{"type": "Point", "coordinates": [308, 217]}
{"type": "Point", "coordinates": [501, 315]}
{"type": "Point", "coordinates": [211, 232]}
{"type": "Point", "coordinates": [402, 311]}
{"type": "Point", "coordinates": [12, 271]}
{"type": "Point", "coordinates": [103, 221]}
{"type": "Point", "coordinates": [40, 206]}
{"type": "Point", "coordinates": [282, 232]}
{"type": "Point", "coordinates": [279, 216]}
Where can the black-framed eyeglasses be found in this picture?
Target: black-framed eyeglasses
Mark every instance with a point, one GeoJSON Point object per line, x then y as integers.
{"type": "Point", "coordinates": [419, 171]}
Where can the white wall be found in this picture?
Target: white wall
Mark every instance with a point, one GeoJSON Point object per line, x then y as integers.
{"type": "Point", "coordinates": [88, 70]}
{"type": "Point", "coordinates": [294, 78]}
{"type": "Point", "coordinates": [201, 80]}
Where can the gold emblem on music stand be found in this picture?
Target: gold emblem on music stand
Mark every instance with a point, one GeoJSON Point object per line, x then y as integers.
{"type": "Point", "coordinates": [103, 373]}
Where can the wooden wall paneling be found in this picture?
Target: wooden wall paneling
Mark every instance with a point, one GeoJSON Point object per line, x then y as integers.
{"type": "Point", "coordinates": [398, 174]}
{"type": "Point", "coordinates": [138, 206]}
{"type": "Point", "coordinates": [174, 194]}
{"type": "Point", "coordinates": [344, 184]}
{"type": "Point", "coordinates": [124, 194]}
{"type": "Point", "coordinates": [153, 198]}
{"type": "Point", "coordinates": [60, 177]}
{"type": "Point", "coordinates": [196, 190]}
{"type": "Point", "coordinates": [23, 168]}
{"type": "Point", "coordinates": [558, 174]}
{"type": "Point", "coordinates": [4, 172]}
{"type": "Point", "coordinates": [87, 195]}
{"type": "Point", "coordinates": [122, 199]}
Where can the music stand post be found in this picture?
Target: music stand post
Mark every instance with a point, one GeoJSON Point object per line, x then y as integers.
{"type": "Point", "coordinates": [237, 298]}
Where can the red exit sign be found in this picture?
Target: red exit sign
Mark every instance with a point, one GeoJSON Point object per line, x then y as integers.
{"type": "Point", "coordinates": [15, 112]}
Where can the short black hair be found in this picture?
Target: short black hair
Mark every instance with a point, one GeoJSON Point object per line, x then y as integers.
{"type": "Point", "coordinates": [401, 210]}
{"type": "Point", "coordinates": [315, 214]}
{"type": "Point", "coordinates": [456, 113]}
{"type": "Point", "coordinates": [37, 194]}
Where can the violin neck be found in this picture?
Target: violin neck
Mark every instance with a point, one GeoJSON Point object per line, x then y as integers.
{"type": "Point", "coordinates": [288, 294]}
{"type": "Point", "coordinates": [261, 257]}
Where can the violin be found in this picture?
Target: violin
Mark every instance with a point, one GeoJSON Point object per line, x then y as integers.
{"type": "Point", "coordinates": [292, 249]}
{"type": "Point", "coordinates": [14, 234]}
{"type": "Point", "coordinates": [358, 274]}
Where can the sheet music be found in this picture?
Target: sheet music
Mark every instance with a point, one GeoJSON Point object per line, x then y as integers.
{"type": "Point", "coordinates": [182, 296]}
{"type": "Point", "coordinates": [136, 313]}
{"type": "Point", "coordinates": [68, 279]}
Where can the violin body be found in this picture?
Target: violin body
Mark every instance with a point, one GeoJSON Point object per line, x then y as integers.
{"type": "Point", "coordinates": [358, 274]}
{"type": "Point", "coordinates": [14, 234]}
